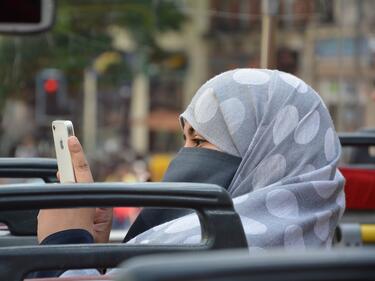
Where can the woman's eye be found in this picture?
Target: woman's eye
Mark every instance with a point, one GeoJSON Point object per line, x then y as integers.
{"type": "Point", "coordinates": [199, 142]}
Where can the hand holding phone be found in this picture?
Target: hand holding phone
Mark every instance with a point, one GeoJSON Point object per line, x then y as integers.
{"type": "Point", "coordinates": [62, 130]}
{"type": "Point", "coordinates": [73, 167]}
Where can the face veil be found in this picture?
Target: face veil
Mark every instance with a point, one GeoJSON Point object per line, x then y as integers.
{"type": "Point", "coordinates": [202, 165]}
{"type": "Point", "coordinates": [199, 165]}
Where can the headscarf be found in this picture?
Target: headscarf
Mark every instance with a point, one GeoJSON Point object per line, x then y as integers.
{"type": "Point", "coordinates": [287, 189]}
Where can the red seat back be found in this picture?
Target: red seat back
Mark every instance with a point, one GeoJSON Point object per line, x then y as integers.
{"type": "Point", "coordinates": [359, 188]}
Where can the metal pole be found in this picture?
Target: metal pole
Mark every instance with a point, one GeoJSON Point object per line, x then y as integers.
{"type": "Point", "coordinates": [90, 110]}
{"type": "Point", "coordinates": [139, 110]}
{"type": "Point", "coordinates": [269, 11]}
{"type": "Point", "coordinates": [341, 80]}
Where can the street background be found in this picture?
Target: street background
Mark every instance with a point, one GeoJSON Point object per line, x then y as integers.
{"type": "Point", "coordinates": [122, 71]}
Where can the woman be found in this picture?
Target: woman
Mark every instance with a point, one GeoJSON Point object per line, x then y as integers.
{"type": "Point", "coordinates": [275, 141]}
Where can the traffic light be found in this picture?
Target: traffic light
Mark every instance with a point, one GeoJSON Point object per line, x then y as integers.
{"type": "Point", "coordinates": [51, 86]}
{"type": "Point", "coordinates": [51, 96]}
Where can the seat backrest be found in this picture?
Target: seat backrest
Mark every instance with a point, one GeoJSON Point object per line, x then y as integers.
{"type": "Point", "coordinates": [41, 168]}
{"type": "Point", "coordinates": [360, 179]}
{"type": "Point", "coordinates": [76, 278]}
{"type": "Point", "coordinates": [239, 265]}
{"type": "Point", "coordinates": [212, 203]}
{"type": "Point", "coordinates": [23, 223]}
{"type": "Point", "coordinates": [359, 187]}
{"type": "Point", "coordinates": [361, 155]}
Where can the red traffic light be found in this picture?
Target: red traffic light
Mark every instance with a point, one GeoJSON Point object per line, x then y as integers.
{"type": "Point", "coordinates": [51, 86]}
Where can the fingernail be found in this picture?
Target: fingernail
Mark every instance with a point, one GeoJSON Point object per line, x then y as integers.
{"type": "Point", "coordinates": [74, 144]}
{"type": "Point", "coordinates": [72, 140]}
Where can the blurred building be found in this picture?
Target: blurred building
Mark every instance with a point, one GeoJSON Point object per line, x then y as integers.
{"type": "Point", "coordinates": [338, 61]}
{"type": "Point", "coordinates": [134, 111]}
{"type": "Point", "coordinates": [330, 44]}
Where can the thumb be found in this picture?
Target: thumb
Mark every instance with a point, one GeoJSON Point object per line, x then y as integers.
{"type": "Point", "coordinates": [80, 165]}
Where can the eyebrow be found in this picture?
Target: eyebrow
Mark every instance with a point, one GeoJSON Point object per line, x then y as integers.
{"type": "Point", "coordinates": [191, 132]}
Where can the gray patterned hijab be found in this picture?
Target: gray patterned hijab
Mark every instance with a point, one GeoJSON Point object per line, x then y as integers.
{"type": "Point", "coordinates": [287, 188]}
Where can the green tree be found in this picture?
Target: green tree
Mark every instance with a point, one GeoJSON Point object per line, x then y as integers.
{"type": "Point", "coordinates": [79, 36]}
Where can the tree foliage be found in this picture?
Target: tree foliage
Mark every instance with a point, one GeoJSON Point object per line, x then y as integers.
{"type": "Point", "coordinates": [79, 36]}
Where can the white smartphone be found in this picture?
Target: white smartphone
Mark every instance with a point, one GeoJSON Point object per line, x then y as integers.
{"type": "Point", "coordinates": [62, 130]}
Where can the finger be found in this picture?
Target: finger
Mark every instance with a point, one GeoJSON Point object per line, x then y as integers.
{"type": "Point", "coordinates": [58, 175]}
{"type": "Point", "coordinates": [80, 165]}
